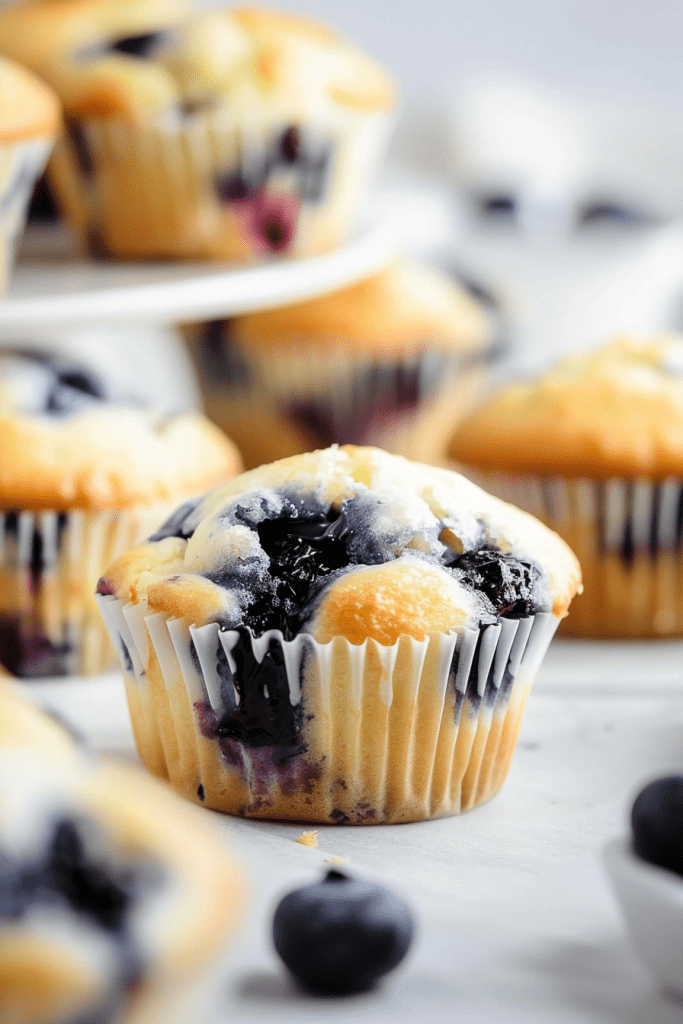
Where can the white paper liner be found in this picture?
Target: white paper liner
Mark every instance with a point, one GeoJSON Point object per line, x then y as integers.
{"type": "Point", "coordinates": [628, 537]}
{"type": "Point", "coordinates": [21, 164]}
{"type": "Point", "coordinates": [49, 566]}
{"type": "Point", "coordinates": [151, 190]}
{"type": "Point", "coordinates": [334, 394]}
{"type": "Point", "coordinates": [416, 730]}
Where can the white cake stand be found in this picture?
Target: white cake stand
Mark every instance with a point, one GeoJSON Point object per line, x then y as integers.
{"type": "Point", "coordinates": [53, 285]}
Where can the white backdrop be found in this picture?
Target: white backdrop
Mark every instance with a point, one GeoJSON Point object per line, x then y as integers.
{"type": "Point", "coordinates": [627, 48]}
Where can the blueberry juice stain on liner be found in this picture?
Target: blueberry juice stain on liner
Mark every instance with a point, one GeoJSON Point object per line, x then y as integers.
{"type": "Point", "coordinates": [358, 400]}
{"type": "Point", "coordinates": [50, 625]}
{"type": "Point", "coordinates": [31, 545]}
{"type": "Point", "coordinates": [479, 691]}
{"type": "Point", "coordinates": [269, 186]}
{"type": "Point", "coordinates": [267, 694]}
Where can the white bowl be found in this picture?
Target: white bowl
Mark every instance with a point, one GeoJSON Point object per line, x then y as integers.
{"type": "Point", "coordinates": [651, 899]}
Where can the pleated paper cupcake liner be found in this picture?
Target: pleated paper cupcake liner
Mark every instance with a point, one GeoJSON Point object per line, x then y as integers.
{"type": "Point", "coordinates": [330, 394]}
{"type": "Point", "coordinates": [336, 732]}
{"type": "Point", "coordinates": [21, 164]}
{"type": "Point", "coordinates": [212, 186]}
{"type": "Point", "coordinates": [628, 537]}
{"type": "Point", "coordinates": [49, 566]}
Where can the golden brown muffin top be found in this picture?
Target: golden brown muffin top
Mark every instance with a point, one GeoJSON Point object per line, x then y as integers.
{"type": "Point", "coordinates": [144, 59]}
{"type": "Point", "coordinates": [28, 108]}
{"type": "Point", "coordinates": [348, 542]}
{"type": "Point", "coordinates": [614, 411]}
{"type": "Point", "coordinates": [156, 889]}
{"type": "Point", "coordinates": [66, 42]}
{"type": "Point", "coordinates": [406, 307]}
{"type": "Point", "coordinates": [68, 442]}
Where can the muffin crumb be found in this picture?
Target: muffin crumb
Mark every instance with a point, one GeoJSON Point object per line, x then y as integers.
{"type": "Point", "coordinates": [309, 839]}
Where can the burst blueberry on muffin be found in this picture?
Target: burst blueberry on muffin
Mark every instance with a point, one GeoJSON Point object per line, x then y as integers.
{"type": "Point", "coordinates": [29, 119]}
{"type": "Point", "coordinates": [237, 135]}
{"type": "Point", "coordinates": [85, 473]}
{"type": "Point", "coordinates": [360, 365]}
{"type": "Point", "coordinates": [104, 914]}
{"type": "Point", "coordinates": [342, 636]}
{"type": "Point", "coordinates": [598, 456]}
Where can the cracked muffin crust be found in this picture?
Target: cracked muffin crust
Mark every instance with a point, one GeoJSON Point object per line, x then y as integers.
{"type": "Point", "coordinates": [300, 594]}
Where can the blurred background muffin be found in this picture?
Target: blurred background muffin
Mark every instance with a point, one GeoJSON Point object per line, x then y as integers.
{"type": "Point", "coordinates": [104, 914]}
{"type": "Point", "coordinates": [29, 120]}
{"type": "Point", "coordinates": [237, 135]}
{"type": "Point", "coordinates": [25, 724]}
{"type": "Point", "coordinates": [355, 366]}
{"type": "Point", "coordinates": [594, 447]}
{"type": "Point", "coordinates": [85, 472]}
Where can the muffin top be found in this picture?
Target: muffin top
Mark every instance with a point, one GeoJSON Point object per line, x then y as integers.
{"type": "Point", "coordinates": [71, 441]}
{"type": "Point", "coordinates": [24, 724]}
{"type": "Point", "coordinates": [614, 411]}
{"type": "Point", "coordinates": [86, 49]}
{"type": "Point", "coordinates": [146, 58]}
{"type": "Point", "coordinates": [348, 542]}
{"type": "Point", "coordinates": [403, 308]}
{"type": "Point", "coordinates": [99, 888]}
{"type": "Point", "coordinates": [28, 108]}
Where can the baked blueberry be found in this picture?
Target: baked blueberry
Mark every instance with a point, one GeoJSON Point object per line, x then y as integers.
{"type": "Point", "coordinates": [178, 524]}
{"type": "Point", "coordinates": [339, 936]}
{"type": "Point", "coordinates": [141, 45]}
{"type": "Point", "coordinates": [657, 823]}
{"type": "Point", "coordinates": [507, 582]}
{"type": "Point", "coordinates": [235, 186]}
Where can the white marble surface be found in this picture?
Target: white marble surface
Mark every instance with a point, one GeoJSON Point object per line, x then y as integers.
{"type": "Point", "coordinates": [517, 921]}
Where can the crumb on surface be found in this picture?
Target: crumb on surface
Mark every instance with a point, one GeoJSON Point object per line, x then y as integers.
{"type": "Point", "coordinates": [336, 860]}
{"type": "Point", "coordinates": [309, 839]}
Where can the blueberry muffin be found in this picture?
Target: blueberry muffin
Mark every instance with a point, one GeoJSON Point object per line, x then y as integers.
{"type": "Point", "coordinates": [594, 447]}
{"type": "Point", "coordinates": [343, 636]}
{"type": "Point", "coordinates": [25, 724]}
{"type": "Point", "coordinates": [238, 135]}
{"type": "Point", "coordinates": [29, 119]}
{"type": "Point", "coordinates": [360, 365]}
{"type": "Point", "coordinates": [104, 915]}
{"type": "Point", "coordinates": [85, 473]}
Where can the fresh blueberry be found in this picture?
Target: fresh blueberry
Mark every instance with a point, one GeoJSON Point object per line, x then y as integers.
{"type": "Point", "coordinates": [499, 205]}
{"type": "Point", "coordinates": [657, 823]}
{"type": "Point", "coordinates": [340, 935]}
{"type": "Point", "coordinates": [608, 212]}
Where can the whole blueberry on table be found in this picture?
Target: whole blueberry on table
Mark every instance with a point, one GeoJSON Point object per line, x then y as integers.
{"type": "Point", "coordinates": [657, 823]}
{"type": "Point", "coordinates": [340, 935]}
